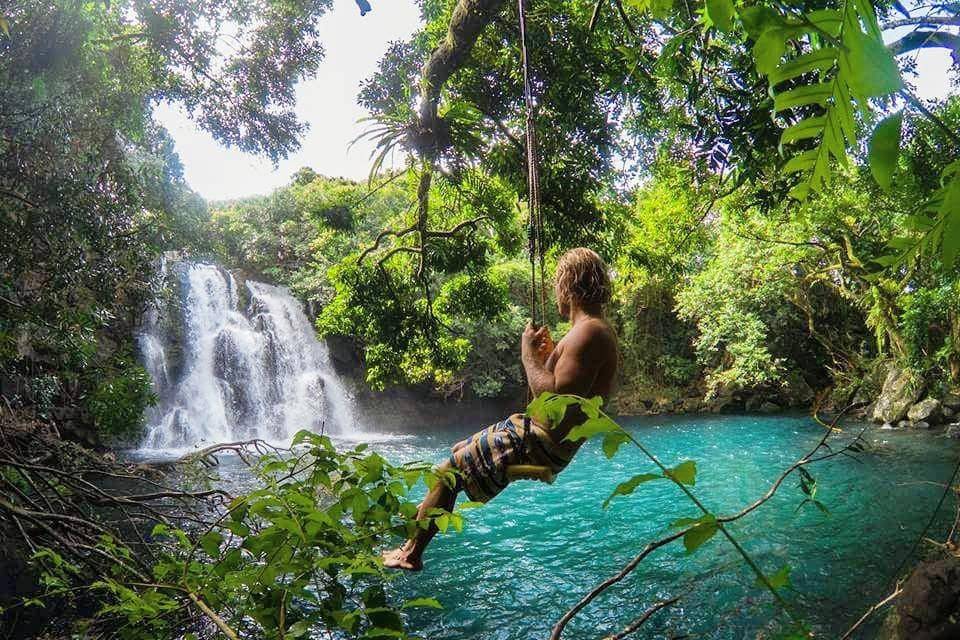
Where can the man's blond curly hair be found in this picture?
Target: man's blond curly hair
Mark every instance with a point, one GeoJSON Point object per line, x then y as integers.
{"type": "Point", "coordinates": [582, 278]}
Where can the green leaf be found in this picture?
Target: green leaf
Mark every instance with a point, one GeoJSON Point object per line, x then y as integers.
{"type": "Point", "coordinates": [612, 442]}
{"type": "Point", "coordinates": [817, 60]}
{"type": "Point", "coordinates": [591, 407]}
{"type": "Point", "coordinates": [769, 48]}
{"type": "Point", "coordinates": [887, 260]}
{"type": "Point", "coordinates": [828, 20]}
{"type": "Point", "coordinates": [802, 96]}
{"type": "Point", "coordinates": [720, 13]}
{"type": "Point", "coordinates": [884, 149]}
{"type": "Point", "coordinates": [950, 244]}
{"type": "Point", "coordinates": [592, 427]}
{"type": "Point", "coordinates": [4, 26]}
{"type": "Point", "coordinates": [950, 210]}
{"type": "Point", "coordinates": [759, 18]}
{"type": "Point", "coordinates": [684, 473]}
{"type": "Point", "coordinates": [701, 533]}
{"type": "Point", "coordinates": [550, 408]}
{"type": "Point", "coordinates": [210, 543]}
{"type": "Point", "coordinates": [628, 487]}
{"type": "Point", "coordinates": [777, 580]}
{"type": "Point", "coordinates": [660, 9]}
{"type": "Point", "coordinates": [443, 522]}
{"type": "Point", "coordinates": [801, 162]}
{"type": "Point", "coordinates": [432, 603]}
{"type": "Point", "coordinates": [873, 70]}
{"type": "Point", "coordinates": [803, 130]}
{"type": "Point", "coordinates": [914, 223]}
{"type": "Point", "coordinates": [298, 629]}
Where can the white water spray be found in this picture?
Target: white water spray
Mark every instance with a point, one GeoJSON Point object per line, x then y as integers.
{"type": "Point", "coordinates": [223, 373]}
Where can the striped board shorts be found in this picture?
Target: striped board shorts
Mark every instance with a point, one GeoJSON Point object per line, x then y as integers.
{"type": "Point", "coordinates": [483, 458]}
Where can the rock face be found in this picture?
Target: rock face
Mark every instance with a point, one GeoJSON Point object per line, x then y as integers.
{"type": "Point", "coordinates": [930, 601]}
{"type": "Point", "coordinates": [951, 401]}
{"type": "Point", "coordinates": [901, 389]}
{"type": "Point", "coordinates": [927, 410]}
{"type": "Point", "coordinates": [769, 407]}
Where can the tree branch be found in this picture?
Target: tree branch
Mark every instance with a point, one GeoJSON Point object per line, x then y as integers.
{"type": "Point", "coordinates": [460, 227]}
{"type": "Point", "coordinates": [931, 21]}
{"type": "Point", "coordinates": [926, 40]}
{"type": "Point", "coordinates": [633, 626]}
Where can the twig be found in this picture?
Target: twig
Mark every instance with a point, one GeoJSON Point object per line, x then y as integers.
{"type": "Point", "coordinates": [870, 612]}
{"type": "Point", "coordinates": [633, 626]}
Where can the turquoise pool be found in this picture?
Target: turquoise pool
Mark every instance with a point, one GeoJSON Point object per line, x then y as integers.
{"type": "Point", "coordinates": [535, 550]}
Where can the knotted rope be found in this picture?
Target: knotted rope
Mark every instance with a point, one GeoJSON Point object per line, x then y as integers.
{"type": "Point", "coordinates": [535, 227]}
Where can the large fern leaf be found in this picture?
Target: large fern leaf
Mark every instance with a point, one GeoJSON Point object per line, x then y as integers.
{"type": "Point", "coordinates": [837, 63]}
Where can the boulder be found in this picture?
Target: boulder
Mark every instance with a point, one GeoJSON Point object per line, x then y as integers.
{"type": "Point", "coordinates": [663, 405]}
{"type": "Point", "coordinates": [769, 407]}
{"type": "Point", "coordinates": [903, 424]}
{"type": "Point", "coordinates": [692, 405]}
{"type": "Point", "coordinates": [796, 392]}
{"type": "Point", "coordinates": [920, 425]}
{"type": "Point", "coordinates": [927, 606]}
{"type": "Point", "coordinates": [953, 431]}
{"type": "Point", "coordinates": [951, 400]}
{"type": "Point", "coordinates": [927, 410]}
{"type": "Point", "coordinates": [947, 412]}
{"type": "Point", "coordinates": [901, 389]}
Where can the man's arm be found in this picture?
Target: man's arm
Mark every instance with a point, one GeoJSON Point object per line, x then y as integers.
{"type": "Point", "coordinates": [534, 361]}
{"type": "Point", "coordinates": [576, 368]}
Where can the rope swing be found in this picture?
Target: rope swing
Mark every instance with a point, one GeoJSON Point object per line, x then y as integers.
{"type": "Point", "coordinates": [534, 246]}
{"type": "Point", "coordinates": [535, 227]}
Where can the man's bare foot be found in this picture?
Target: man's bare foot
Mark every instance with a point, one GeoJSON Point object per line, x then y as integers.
{"type": "Point", "coordinates": [399, 559]}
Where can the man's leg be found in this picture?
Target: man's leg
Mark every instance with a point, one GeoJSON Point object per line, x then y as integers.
{"type": "Point", "coordinates": [410, 555]}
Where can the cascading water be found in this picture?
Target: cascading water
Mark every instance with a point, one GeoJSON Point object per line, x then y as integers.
{"type": "Point", "coordinates": [230, 364]}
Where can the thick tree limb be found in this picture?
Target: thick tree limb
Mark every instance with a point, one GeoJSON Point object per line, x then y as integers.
{"type": "Point", "coordinates": [923, 21]}
{"type": "Point", "coordinates": [469, 19]}
{"type": "Point", "coordinates": [927, 40]}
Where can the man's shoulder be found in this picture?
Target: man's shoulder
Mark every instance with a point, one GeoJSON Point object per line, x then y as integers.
{"type": "Point", "coordinates": [595, 332]}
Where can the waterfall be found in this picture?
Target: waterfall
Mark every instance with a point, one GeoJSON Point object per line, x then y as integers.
{"type": "Point", "coordinates": [231, 363]}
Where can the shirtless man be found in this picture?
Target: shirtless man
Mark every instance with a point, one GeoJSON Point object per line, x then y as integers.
{"type": "Point", "coordinates": [584, 363]}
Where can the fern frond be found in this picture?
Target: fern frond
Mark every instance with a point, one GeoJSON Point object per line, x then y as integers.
{"type": "Point", "coordinates": [840, 64]}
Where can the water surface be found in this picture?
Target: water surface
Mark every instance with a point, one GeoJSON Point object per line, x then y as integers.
{"type": "Point", "coordinates": [536, 549]}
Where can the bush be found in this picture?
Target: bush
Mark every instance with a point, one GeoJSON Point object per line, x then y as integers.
{"type": "Point", "coordinates": [118, 403]}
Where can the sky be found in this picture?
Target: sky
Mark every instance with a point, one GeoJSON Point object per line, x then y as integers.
{"type": "Point", "coordinates": [328, 102]}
